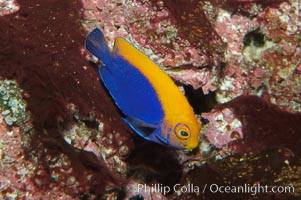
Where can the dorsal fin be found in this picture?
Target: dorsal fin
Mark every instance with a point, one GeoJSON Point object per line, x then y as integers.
{"type": "Point", "coordinates": [131, 54]}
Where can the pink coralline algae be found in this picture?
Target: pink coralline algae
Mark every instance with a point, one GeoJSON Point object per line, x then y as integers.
{"type": "Point", "coordinates": [21, 175]}
{"type": "Point", "coordinates": [248, 8]}
{"type": "Point", "coordinates": [50, 81]}
{"type": "Point", "coordinates": [150, 27]}
{"type": "Point", "coordinates": [197, 78]}
{"type": "Point", "coordinates": [82, 137]}
{"type": "Point", "coordinates": [262, 56]}
{"type": "Point", "coordinates": [8, 7]}
{"type": "Point", "coordinates": [235, 80]}
{"type": "Point", "coordinates": [223, 127]}
{"type": "Point", "coordinates": [15, 172]}
{"type": "Point", "coordinates": [281, 61]}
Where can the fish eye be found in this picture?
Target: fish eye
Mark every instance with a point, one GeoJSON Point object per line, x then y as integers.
{"type": "Point", "coordinates": [182, 131]}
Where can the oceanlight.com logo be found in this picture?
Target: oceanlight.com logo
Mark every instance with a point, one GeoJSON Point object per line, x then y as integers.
{"type": "Point", "coordinates": [214, 188]}
{"type": "Point", "coordinates": [249, 189]}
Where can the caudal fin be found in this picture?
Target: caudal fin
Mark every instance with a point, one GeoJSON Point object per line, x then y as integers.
{"type": "Point", "coordinates": [96, 44]}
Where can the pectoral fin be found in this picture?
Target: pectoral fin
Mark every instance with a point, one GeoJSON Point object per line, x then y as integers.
{"type": "Point", "coordinates": [142, 128]}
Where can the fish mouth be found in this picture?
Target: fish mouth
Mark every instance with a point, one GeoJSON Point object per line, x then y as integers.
{"type": "Point", "coordinates": [192, 145]}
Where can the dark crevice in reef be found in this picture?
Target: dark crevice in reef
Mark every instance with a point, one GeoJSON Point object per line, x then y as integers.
{"type": "Point", "coordinates": [153, 163]}
{"type": "Point", "coordinates": [254, 38]}
{"type": "Point", "coordinates": [91, 124]}
{"type": "Point", "coordinates": [198, 100]}
{"type": "Point", "coordinates": [137, 197]}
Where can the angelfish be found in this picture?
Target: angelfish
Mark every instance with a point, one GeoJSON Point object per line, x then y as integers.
{"type": "Point", "coordinates": [153, 106]}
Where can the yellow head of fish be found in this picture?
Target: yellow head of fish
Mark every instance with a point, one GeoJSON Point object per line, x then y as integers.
{"type": "Point", "coordinates": [181, 131]}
